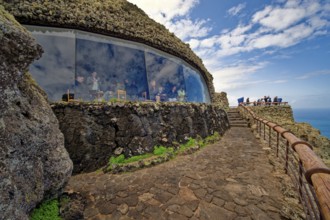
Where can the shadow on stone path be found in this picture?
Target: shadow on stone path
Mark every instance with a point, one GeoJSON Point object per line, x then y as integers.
{"type": "Point", "coordinates": [231, 179]}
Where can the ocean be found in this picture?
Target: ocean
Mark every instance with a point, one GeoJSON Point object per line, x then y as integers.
{"type": "Point", "coordinates": [318, 118]}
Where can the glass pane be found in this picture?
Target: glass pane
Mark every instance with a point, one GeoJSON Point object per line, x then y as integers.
{"type": "Point", "coordinates": [108, 70]}
{"type": "Point", "coordinates": [165, 78]}
{"type": "Point", "coordinates": [54, 71]}
{"type": "Point", "coordinates": [196, 87]}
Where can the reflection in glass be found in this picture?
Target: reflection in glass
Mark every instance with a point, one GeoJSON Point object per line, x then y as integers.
{"type": "Point", "coordinates": [98, 67]}
{"type": "Point", "coordinates": [110, 70]}
{"type": "Point", "coordinates": [196, 87]}
{"type": "Point", "coordinates": [54, 71]}
{"type": "Point", "coordinates": [165, 79]}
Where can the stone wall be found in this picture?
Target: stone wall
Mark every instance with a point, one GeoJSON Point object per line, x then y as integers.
{"type": "Point", "coordinates": [283, 116]}
{"type": "Point", "coordinates": [221, 100]}
{"type": "Point", "coordinates": [33, 161]}
{"type": "Point", "coordinates": [95, 132]}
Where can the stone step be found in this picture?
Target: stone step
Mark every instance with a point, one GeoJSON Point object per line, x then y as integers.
{"type": "Point", "coordinates": [238, 122]}
{"type": "Point", "coordinates": [235, 118]}
{"type": "Point", "coordinates": [239, 125]}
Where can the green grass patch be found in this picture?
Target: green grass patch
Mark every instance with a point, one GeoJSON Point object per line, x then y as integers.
{"type": "Point", "coordinates": [137, 158]}
{"type": "Point", "coordinates": [213, 138]}
{"type": "Point", "coordinates": [161, 150]}
{"type": "Point", "coordinates": [48, 210]}
{"type": "Point", "coordinates": [190, 143]}
{"type": "Point", "coordinates": [117, 160]}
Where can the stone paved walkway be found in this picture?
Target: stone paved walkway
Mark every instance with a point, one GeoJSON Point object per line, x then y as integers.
{"type": "Point", "coordinates": [231, 179]}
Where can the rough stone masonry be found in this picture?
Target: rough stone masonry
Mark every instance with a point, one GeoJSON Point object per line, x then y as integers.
{"type": "Point", "coordinates": [95, 132]}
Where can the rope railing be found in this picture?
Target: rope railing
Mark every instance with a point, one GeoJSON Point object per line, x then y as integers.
{"type": "Point", "coordinates": [307, 171]}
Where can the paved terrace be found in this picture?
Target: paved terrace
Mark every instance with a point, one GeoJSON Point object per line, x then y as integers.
{"type": "Point", "coordinates": [232, 179]}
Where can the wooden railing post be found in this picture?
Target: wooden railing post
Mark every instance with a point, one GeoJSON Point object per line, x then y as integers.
{"type": "Point", "coordinates": [269, 137]}
{"type": "Point", "coordinates": [264, 130]}
{"type": "Point", "coordinates": [287, 157]}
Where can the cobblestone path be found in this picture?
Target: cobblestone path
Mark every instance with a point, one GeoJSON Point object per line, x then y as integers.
{"type": "Point", "coordinates": [231, 179]}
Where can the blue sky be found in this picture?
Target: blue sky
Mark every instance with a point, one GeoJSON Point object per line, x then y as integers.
{"type": "Point", "coordinates": [256, 48]}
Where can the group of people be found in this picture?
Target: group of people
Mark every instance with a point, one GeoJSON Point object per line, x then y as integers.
{"type": "Point", "coordinates": [94, 88]}
{"type": "Point", "coordinates": [169, 93]}
{"type": "Point", "coordinates": [266, 100]}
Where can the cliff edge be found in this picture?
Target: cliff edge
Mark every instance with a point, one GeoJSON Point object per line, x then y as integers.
{"type": "Point", "coordinates": [283, 116]}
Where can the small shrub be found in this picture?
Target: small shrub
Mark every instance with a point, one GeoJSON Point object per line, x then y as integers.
{"type": "Point", "coordinates": [117, 160]}
{"type": "Point", "coordinates": [213, 138]}
{"type": "Point", "coordinates": [159, 150]}
{"type": "Point", "coordinates": [47, 210]}
{"type": "Point", "coordinates": [191, 142]}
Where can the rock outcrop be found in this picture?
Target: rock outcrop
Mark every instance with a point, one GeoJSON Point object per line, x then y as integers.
{"type": "Point", "coordinates": [95, 132]}
{"type": "Point", "coordinates": [33, 161]}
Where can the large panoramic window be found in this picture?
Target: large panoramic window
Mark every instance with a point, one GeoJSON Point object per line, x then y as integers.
{"type": "Point", "coordinates": [97, 67]}
{"type": "Point", "coordinates": [55, 70]}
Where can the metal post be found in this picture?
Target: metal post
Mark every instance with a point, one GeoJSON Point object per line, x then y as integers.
{"type": "Point", "coordinates": [264, 131]}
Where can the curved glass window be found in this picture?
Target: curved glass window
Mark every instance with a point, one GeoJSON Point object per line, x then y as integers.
{"type": "Point", "coordinates": [108, 68]}
{"type": "Point", "coordinates": [55, 70]}
{"type": "Point", "coordinates": [165, 78]}
{"type": "Point", "coordinates": [195, 86]}
{"type": "Point", "coordinates": [98, 67]}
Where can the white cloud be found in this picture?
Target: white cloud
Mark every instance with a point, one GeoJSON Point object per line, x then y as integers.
{"type": "Point", "coordinates": [234, 77]}
{"type": "Point", "coordinates": [284, 39]}
{"type": "Point", "coordinates": [279, 18]}
{"type": "Point", "coordinates": [279, 81]}
{"type": "Point", "coordinates": [164, 12]}
{"type": "Point", "coordinates": [314, 74]}
{"type": "Point", "coordinates": [186, 28]}
{"type": "Point", "coordinates": [174, 14]}
{"type": "Point", "coordinates": [236, 9]}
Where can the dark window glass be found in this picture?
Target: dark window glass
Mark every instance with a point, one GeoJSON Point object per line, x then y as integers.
{"type": "Point", "coordinates": [109, 70]}
{"type": "Point", "coordinates": [165, 78]}
{"type": "Point", "coordinates": [195, 85]}
{"type": "Point", "coordinates": [54, 71]}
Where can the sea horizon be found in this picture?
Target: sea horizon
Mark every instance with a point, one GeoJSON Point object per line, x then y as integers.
{"type": "Point", "coordinates": [319, 118]}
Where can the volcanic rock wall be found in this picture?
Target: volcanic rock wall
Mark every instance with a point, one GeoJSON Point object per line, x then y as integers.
{"type": "Point", "coordinates": [95, 132]}
{"type": "Point", "coordinates": [221, 100]}
{"type": "Point", "coordinates": [33, 161]}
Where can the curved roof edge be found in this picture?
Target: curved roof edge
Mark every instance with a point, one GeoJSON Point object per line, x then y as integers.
{"type": "Point", "coordinates": [116, 18]}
